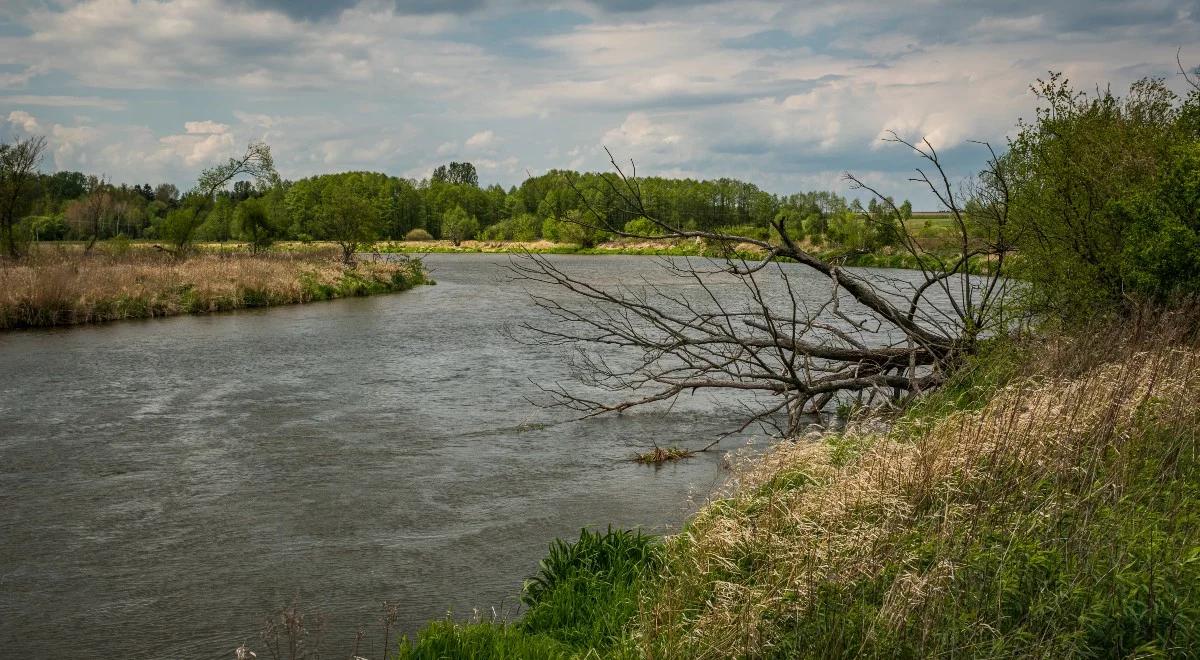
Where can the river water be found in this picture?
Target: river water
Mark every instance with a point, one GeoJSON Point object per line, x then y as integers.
{"type": "Point", "coordinates": [165, 484]}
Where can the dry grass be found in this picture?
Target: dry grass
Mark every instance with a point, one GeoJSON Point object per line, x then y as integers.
{"type": "Point", "coordinates": [872, 543]}
{"type": "Point", "coordinates": [64, 287]}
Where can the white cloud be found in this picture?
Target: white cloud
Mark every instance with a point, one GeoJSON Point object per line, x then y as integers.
{"type": "Point", "coordinates": [481, 140]}
{"type": "Point", "coordinates": [765, 90]}
{"type": "Point", "coordinates": [205, 128]}
{"type": "Point", "coordinates": [25, 121]}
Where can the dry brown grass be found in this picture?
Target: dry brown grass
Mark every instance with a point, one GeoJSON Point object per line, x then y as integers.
{"type": "Point", "coordinates": [62, 286]}
{"type": "Point", "coordinates": [814, 518]}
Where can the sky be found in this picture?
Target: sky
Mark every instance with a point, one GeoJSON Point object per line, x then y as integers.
{"type": "Point", "coordinates": [789, 95]}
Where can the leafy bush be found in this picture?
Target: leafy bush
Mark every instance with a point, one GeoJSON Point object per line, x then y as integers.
{"type": "Point", "coordinates": [576, 227]}
{"type": "Point", "coordinates": [643, 227]}
{"type": "Point", "coordinates": [46, 227]}
{"type": "Point", "coordinates": [418, 234]}
{"type": "Point", "coordinates": [1104, 202]}
{"type": "Point", "coordinates": [522, 227]}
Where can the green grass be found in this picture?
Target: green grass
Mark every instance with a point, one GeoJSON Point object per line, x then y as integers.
{"type": "Point", "coordinates": [579, 603]}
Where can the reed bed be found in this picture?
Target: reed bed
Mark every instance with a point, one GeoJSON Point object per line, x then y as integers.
{"type": "Point", "coordinates": [65, 287]}
{"type": "Point", "coordinates": [1049, 507]}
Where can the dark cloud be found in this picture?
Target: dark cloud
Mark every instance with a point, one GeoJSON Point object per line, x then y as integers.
{"type": "Point", "coordinates": [315, 10]}
{"type": "Point", "coordinates": [644, 5]}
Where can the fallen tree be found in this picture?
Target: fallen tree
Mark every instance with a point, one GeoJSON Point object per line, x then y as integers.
{"type": "Point", "coordinates": [875, 338]}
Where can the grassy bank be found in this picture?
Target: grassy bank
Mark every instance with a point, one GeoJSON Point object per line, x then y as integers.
{"type": "Point", "coordinates": [64, 287]}
{"type": "Point", "coordinates": [1046, 503]}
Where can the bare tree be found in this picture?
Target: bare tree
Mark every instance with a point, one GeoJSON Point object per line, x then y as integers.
{"type": "Point", "coordinates": [88, 214]}
{"type": "Point", "coordinates": [746, 326]}
{"type": "Point", "coordinates": [18, 166]}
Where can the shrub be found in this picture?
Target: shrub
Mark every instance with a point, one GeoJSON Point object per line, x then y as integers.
{"type": "Point", "coordinates": [1102, 207]}
{"type": "Point", "coordinates": [418, 234]}
{"type": "Point", "coordinates": [643, 227]}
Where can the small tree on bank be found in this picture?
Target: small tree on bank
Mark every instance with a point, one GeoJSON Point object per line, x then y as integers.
{"type": "Point", "coordinates": [347, 219]}
{"type": "Point", "coordinates": [255, 226]}
{"type": "Point", "coordinates": [458, 225]}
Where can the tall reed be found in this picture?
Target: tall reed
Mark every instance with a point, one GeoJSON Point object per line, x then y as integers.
{"type": "Point", "coordinates": [64, 286]}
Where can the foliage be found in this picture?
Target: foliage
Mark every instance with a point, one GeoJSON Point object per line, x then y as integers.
{"type": "Point", "coordinates": [578, 227]}
{"type": "Point", "coordinates": [521, 227]}
{"type": "Point", "coordinates": [256, 163]}
{"type": "Point", "coordinates": [1103, 198]}
{"type": "Point", "coordinates": [643, 227]}
{"type": "Point", "coordinates": [456, 174]}
{"type": "Point", "coordinates": [255, 226]}
{"type": "Point", "coordinates": [1160, 258]}
{"type": "Point", "coordinates": [18, 168]}
{"type": "Point", "coordinates": [458, 225]}
{"type": "Point", "coordinates": [346, 219]}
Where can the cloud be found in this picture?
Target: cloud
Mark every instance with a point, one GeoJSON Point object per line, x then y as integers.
{"type": "Point", "coordinates": [205, 128]}
{"type": "Point", "coordinates": [780, 93]}
{"type": "Point", "coordinates": [315, 10]}
{"type": "Point", "coordinates": [481, 140]}
{"type": "Point", "coordinates": [60, 101]}
{"type": "Point", "coordinates": [25, 121]}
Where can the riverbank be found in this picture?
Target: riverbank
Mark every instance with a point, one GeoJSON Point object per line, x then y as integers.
{"type": "Point", "coordinates": [885, 258]}
{"type": "Point", "coordinates": [1044, 503]}
{"type": "Point", "coordinates": [57, 287]}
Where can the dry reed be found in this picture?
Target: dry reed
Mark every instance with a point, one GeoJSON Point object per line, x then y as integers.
{"type": "Point", "coordinates": [65, 287]}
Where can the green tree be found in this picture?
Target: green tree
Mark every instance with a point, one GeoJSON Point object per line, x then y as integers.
{"type": "Point", "coordinates": [255, 163]}
{"type": "Point", "coordinates": [254, 224]}
{"type": "Point", "coordinates": [347, 219]}
{"type": "Point", "coordinates": [456, 174]}
{"type": "Point", "coordinates": [458, 225]}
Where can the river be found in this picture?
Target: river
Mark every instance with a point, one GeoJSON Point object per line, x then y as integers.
{"type": "Point", "coordinates": [165, 484]}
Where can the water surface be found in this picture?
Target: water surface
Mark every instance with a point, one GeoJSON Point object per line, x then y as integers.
{"type": "Point", "coordinates": [166, 483]}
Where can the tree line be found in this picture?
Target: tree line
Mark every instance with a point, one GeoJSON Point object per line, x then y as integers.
{"type": "Point", "coordinates": [355, 207]}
